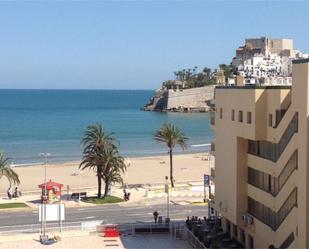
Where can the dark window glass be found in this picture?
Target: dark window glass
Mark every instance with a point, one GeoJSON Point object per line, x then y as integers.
{"type": "Point", "coordinates": [249, 121]}
{"type": "Point", "coordinates": [233, 115]}
{"type": "Point", "coordinates": [270, 120]}
{"type": "Point", "coordinates": [240, 117]}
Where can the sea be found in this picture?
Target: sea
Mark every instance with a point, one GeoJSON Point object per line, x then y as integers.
{"type": "Point", "coordinates": [53, 121]}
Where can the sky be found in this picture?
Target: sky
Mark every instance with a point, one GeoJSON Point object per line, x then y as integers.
{"type": "Point", "coordinates": [132, 44]}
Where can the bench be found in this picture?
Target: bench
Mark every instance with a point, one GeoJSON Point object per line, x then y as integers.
{"type": "Point", "coordinates": [76, 195]}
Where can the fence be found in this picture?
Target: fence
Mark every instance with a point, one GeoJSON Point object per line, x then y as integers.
{"type": "Point", "coordinates": [91, 226]}
{"type": "Point", "coordinates": [50, 228]}
{"type": "Point", "coordinates": [194, 241]}
{"type": "Point", "coordinates": [177, 230]}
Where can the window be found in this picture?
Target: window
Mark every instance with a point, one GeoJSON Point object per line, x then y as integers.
{"type": "Point", "coordinates": [240, 116]}
{"type": "Point", "coordinates": [249, 118]}
{"type": "Point", "coordinates": [233, 115]}
{"type": "Point", "coordinates": [270, 120]}
{"type": "Point", "coordinates": [221, 113]}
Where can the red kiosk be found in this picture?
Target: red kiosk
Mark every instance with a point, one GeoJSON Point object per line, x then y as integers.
{"type": "Point", "coordinates": [53, 191]}
{"type": "Point", "coordinates": [111, 230]}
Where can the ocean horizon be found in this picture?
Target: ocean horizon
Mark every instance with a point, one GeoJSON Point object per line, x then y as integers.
{"type": "Point", "coordinates": [53, 121]}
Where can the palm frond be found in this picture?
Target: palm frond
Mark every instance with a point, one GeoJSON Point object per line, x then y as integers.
{"type": "Point", "coordinates": [7, 171]}
{"type": "Point", "coordinates": [171, 135]}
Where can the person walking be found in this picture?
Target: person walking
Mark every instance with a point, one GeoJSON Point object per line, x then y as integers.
{"type": "Point", "coordinates": [16, 192]}
{"type": "Point", "coordinates": [9, 192]}
{"type": "Point", "coordinates": [155, 216]}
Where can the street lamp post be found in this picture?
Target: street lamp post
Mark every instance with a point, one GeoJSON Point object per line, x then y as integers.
{"type": "Point", "coordinates": [167, 198]}
{"type": "Point", "coordinates": [43, 225]}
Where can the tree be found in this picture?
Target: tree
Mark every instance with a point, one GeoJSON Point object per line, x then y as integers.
{"type": "Point", "coordinates": [194, 69]}
{"type": "Point", "coordinates": [207, 71]}
{"type": "Point", "coordinates": [171, 136]}
{"type": "Point", "coordinates": [7, 171]}
{"type": "Point", "coordinates": [114, 166]}
{"type": "Point", "coordinates": [227, 69]}
{"type": "Point", "coordinates": [95, 142]}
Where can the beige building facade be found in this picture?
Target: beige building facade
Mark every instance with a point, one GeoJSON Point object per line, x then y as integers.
{"type": "Point", "coordinates": [262, 164]}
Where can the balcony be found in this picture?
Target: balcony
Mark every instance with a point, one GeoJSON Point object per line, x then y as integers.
{"type": "Point", "coordinates": [272, 151]}
{"type": "Point", "coordinates": [271, 184]}
{"type": "Point", "coordinates": [267, 215]}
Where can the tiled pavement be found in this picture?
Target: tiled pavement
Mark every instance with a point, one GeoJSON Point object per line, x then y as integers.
{"type": "Point", "coordinates": [94, 242]}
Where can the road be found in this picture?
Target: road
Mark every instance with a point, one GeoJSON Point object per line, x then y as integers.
{"type": "Point", "coordinates": [109, 214]}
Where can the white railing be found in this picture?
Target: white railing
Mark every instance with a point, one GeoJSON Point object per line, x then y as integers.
{"type": "Point", "coordinates": [51, 227]}
{"type": "Point", "coordinates": [177, 229]}
{"type": "Point", "coordinates": [90, 226]}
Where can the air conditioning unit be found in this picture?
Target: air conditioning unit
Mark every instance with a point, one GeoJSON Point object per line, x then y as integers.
{"type": "Point", "coordinates": [247, 219]}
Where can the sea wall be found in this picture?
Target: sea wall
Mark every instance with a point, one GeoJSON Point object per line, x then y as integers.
{"type": "Point", "coordinates": [194, 98]}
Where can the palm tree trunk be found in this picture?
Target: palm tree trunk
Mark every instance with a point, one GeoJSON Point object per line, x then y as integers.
{"type": "Point", "coordinates": [171, 168]}
{"type": "Point", "coordinates": [99, 183]}
{"type": "Point", "coordinates": [106, 189]}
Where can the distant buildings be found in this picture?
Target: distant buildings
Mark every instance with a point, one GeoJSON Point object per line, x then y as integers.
{"type": "Point", "coordinates": [266, 61]}
{"type": "Point", "coordinates": [262, 154]}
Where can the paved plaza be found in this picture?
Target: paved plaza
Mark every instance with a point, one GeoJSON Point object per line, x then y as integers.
{"type": "Point", "coordinates": [94, 241]}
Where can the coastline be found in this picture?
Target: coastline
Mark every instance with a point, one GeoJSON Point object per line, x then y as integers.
{"type": "Point", "coordinates": [193, 149]}
{"type": "Point", "coordinates": [142, 170]}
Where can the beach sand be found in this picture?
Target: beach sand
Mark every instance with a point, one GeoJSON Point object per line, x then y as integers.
{"type": "Point", "coordinates": [142, 170]}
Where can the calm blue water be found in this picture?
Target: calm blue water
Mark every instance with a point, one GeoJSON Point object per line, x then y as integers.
{"type": "Point", "coordinates": [35, 121]}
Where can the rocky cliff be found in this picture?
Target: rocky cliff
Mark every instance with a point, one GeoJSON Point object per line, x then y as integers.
{"type": "Point", "coordinates": [193, 99]}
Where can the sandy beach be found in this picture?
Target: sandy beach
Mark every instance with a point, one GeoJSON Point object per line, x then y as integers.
{"type": "Point", "coordinates": [142, 170]}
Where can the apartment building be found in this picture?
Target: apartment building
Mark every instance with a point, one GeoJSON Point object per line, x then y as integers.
{"type": "Point", "coordinates": [262, 162]}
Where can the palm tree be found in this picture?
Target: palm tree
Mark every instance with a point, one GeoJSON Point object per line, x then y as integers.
{"type": "Point", "coordinates": [114, 166]}
{"type": "Point", "coordinates": [94, 142]}
{"type": "Point", "coordinates": [171, 136]}
{"type": "Point", "coordinates": [7, 171]}
{"type": "Point", "coordinates": [194, 69]}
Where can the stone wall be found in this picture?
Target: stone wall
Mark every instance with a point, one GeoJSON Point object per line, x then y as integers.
{"type": "Point", "coordinates": [193, 98]}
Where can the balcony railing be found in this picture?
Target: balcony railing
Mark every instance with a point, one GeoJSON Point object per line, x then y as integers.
{"type": "Point", "coordinates": [271, 184]}
{"type": "Point", "coordinates": [272, 151]}
{"type": "Point", "coordinates": [288, 241]}
{"type": "Point", "coordinates": [267, 215]}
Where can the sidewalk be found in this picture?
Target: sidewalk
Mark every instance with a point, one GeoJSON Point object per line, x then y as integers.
{"type": "Point", "coordinates": [182, 194]}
